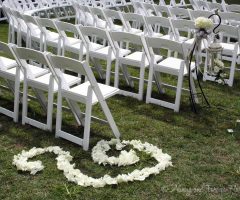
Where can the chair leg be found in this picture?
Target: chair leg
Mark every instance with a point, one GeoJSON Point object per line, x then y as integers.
{"type": "Point", "coordinates": [87, 124]}
{"type": "Point", "coordinates": [108, 71]}
{"type": "Point", "coordinates": [127, 76]}
{"type": "Point", "coordinates": [110, 119]}
{"type": "Point", "coordinates": [16, 96]}
{"type": "Point", "coordinates": [179, 90]}
{"type": "Point", "coordinates": [116, 77]}
{"type": "Point", "coordinates": [98, 68]}
{"type": "Point", "coordinates": [50, 105]}
{"type": "Point", "coordinates": [59, 114]}
{"type": "Point", "coordinates": [149, 86]}
{"type": "Point", "coordinates": [25, 102]}
{"type": "Point", "coordinates": [141, 83]}
{"type": "Point", "coordinates": [232, 70]}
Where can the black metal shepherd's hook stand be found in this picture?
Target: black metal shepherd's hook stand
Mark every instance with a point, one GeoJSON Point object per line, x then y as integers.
{"type": "Point", "coordinates": [192, 94]}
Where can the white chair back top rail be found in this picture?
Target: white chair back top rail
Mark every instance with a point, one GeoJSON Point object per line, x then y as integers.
{"type": "Point", "coordinates": [64, 63]}
{"type": "Point", "coordinates": [119, 36]}
{"type": "Point", "coordinates": [183, 24]}
{"type": "Point", "coordinates": [30, 54]}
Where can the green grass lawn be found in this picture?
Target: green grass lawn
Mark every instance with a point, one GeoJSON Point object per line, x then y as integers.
{"type": "Point", "coordinates": [206, 161]}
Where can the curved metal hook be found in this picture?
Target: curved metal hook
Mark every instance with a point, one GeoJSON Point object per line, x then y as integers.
{"type": "Point", "coordinates": [219, 23]}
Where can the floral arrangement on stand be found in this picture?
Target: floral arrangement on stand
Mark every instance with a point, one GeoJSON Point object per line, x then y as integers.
{"type": "Point", "coordinates": [99, 156]}
{"type": "Point", "coordinates": [203, 26]}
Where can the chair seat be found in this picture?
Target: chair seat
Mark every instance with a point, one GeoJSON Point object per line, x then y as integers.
{"type": "Point", "coordinates": [101, 23]}
{"type": "Point", "coordinates": [79, 92]}
{"type": "Point", "coordinates": [94, 46]}
{"type": "Point", "coordinates": [104, 52]}
{"type": "Point", "coordinates": [75, 48]}
{"type": "Point", "coordinates": [37, 71]}
{"type": "Point", "coordinates": [135, 31]}
{"type": "Point", "coordinates": [135, 59]}
{"type": "Point", "coordinates": [42, 82]}
{"type": "Point", "coordinates": [228, 48]}
{"type": "Point", "coordinates": [52, 37]}
{"type": "Point", "coordinates": [72, 41]}
{"type": "Point", "coordinates": [172, 65]}
{"type": "Point", "coordinates": [116, 27]}
{"type": "Point", "coordinates": [10, 74]}
{"type": "Point", "coordinates": [6, 63]}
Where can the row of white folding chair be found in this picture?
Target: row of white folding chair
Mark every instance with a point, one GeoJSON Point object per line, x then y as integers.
{"type": "Point", "coordinates": [57, 9]}
{"type": "Point", "coordinates": [109, 54]}
{"type": "Point", "coordinates": [53, 80]}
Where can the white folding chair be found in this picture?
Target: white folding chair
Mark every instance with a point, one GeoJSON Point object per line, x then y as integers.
{"type": "Point", "coordinates": [48, 38]}
{"type": "Point", "coordinates": [162, 10]}
{"type": "Point", "coordinates": [135, 23]}
{"type": "Point", "coordinates": [11, 73]}
{"type": "Point", "coordinates": [184, 31]}
{"type": "Point", "coordinates": [87, 18]}
{"type": "Point", "coordinates": [74, 44]}
{"type": "Point", "coordinates": [115, 20]}
{"type": "Point", "coordinates": [41, 83]}
{"type": "Point", "coordinates": [149, 9]}
{"type": "Point", "coordinates": [13, 24]}
{"type": "Point", "coordinates": [106, 51]}
{"type": "Point", "coordinates": [170, 65]}
{"type": "Point", "coordinates": [89, 93]}
{"type": "Point", "coordinates": [159, 27]}
{"type": "Point", "coordinates": [98, 17]}
{"type": "Point", "coordinates": [137, 59]}
{"type": "Point", "coordinates": [33, 31]}
{"type": "Point", "coordinates": [230, 51]}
